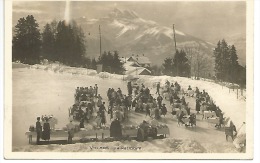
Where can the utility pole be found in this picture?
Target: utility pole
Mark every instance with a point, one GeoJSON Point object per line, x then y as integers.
{"type": "Point", "coordinates": [175, 47]}
{"type": "Point", "coordinates": [174, 38]}
{"type": "Point", "coordinates": [100, 40]}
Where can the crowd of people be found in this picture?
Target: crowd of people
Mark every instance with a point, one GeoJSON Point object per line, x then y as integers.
{"type": "Point", "coordinates": [89, 106]}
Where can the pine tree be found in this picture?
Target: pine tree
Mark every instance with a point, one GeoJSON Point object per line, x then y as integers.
{"type": "Point", "coordinates": [225, 60]}
{"type": "Point", "coordinates": [48, 43]}
{"type": "Point", "coordinates": [181, 66]}
{"type": "Point", "coordinates": [27, 41]}
{"type": "Point", "coordinates": [221, 54]}
{"type": "Point", "coordinates": [168, 67]}
{"type": "Point", "coordinates": [111, 63]}
{"type": "Point", "coordinates": [70, 44]}
{"type": "Point", "coordinates": [117, 64]}
{"type": "Point", "coordinates": [233, 64]}
{"type": "Point", "coordinates": [218, 63]}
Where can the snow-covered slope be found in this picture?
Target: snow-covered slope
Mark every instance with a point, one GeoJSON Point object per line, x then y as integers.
{"type": "Point", "coordinates": [49, 90]}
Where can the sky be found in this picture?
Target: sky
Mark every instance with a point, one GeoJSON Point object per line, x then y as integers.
{"type": "Point", "coordinates": [211, 21]}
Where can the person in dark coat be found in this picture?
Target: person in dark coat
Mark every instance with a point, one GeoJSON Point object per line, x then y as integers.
{"type": "Point", "coordinates": [159, 100]}
{"type": "Point", "coordinates": [46, 130]}
{"type": "Point", "coordinates": [164, 110]}
{"type": "Point", "coordinates": [197, 106]}
{"type": "Point", "coordinates": [38, 129]}
{"type": "Point", "coordinates": [116, 129]}
{"type": "Point", "coordinates": [129, 87]}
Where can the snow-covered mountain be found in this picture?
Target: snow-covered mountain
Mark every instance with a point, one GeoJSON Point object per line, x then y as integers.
{"type": "Point", "coordinates": [130, 34]}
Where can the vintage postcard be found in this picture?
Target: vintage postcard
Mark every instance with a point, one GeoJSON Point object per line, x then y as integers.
{"type": "Point", "coordinates": [128, 79]}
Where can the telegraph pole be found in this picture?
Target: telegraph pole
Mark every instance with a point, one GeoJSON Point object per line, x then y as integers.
{"type": "Point", "coordinates": [177, 68]}
{"type": "Point", "coordinates": [100, 41]}
{"type": "Point", "coordinates": [174, 38]}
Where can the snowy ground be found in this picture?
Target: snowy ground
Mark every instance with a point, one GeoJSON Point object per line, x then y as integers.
{"type": "Point", "coordinates": [41, 90]}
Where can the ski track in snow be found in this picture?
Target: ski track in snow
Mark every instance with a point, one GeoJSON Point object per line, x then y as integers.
{"type": "Point", "coordinates": [38, 92]}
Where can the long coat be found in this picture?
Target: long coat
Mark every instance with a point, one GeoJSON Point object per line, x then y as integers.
{"type": "Point", "coordinates": [115, 129]}
{"type": "Point", "coordinates": [197, 105]}
{"type": "Point", "coordinates": [46, 131]}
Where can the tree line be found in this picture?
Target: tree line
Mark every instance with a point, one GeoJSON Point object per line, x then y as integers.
{"type": "Point", "coordinates": [193, 61]}
{"type": "Point", "coordinates": [59, 41]}
{"type": "Point", "coordinates": [227, 67]}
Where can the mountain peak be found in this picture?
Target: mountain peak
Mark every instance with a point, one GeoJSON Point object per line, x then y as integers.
{"type": "Point", "coordinates": [127, 14]}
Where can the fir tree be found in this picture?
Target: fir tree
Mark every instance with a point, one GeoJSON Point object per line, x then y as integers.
{"type": "Point", "coordinates": [27, 41]}
{"type": "Point", "coordinates": [48, 42]}
{"type": "Point", "coordinates": [168, 67]}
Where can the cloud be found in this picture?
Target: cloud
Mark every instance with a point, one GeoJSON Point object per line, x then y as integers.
{"type": "Point", "coordinates": [28, 11]}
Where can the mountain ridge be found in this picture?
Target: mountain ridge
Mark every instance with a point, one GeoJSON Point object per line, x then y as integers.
{"type": "Point", "coordinates": [129, 34]}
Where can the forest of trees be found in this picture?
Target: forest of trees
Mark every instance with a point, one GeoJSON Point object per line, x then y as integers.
{"type": "Point", "coordinates": [177, 66]}
{"type": "Point", "coordinates": [60, 42]}
{"type": "Point", "coordinates": [227, 67]}
{"type": "Point", "coordinates": [111, 62]}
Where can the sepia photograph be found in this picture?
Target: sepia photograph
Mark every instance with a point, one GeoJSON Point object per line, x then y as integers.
{"type": "Point", "coordinates": [128, 79]}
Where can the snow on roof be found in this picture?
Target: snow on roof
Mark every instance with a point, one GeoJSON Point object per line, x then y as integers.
{"type": "Point", "coordinates": [141, 59]}
{"type": "Point", "coordinates": [130, 65]}
{"type": "Point", "coordinates": [136, 70]}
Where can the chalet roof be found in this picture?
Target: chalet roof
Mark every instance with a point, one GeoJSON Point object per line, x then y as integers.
{"type": "Point", "coordinates": [137, 71]}
{"type": "Point", "coordinates": [140, 60]}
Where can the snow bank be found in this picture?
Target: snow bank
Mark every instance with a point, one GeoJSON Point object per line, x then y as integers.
{"type": "Point", "coordinates": [167, 145]}
{"type": "Point", "coordinates": [60, 68]}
